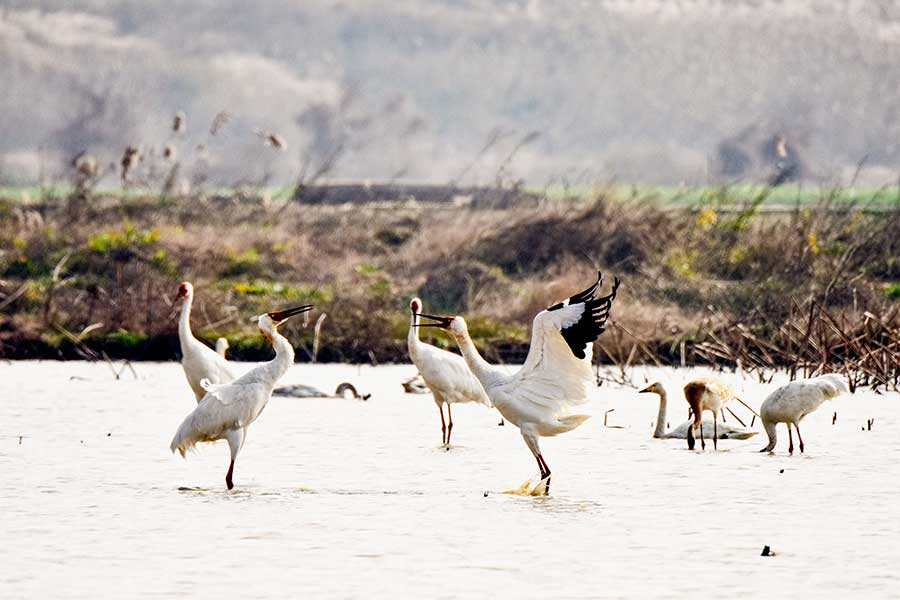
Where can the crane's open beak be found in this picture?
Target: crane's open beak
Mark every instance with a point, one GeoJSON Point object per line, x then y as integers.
{"type": "Point", "coordinates": [442, 322]}
{"type": "Point", "coordinates": [279, 317]}
{"type": "Point", "coordinates": [173, 308]}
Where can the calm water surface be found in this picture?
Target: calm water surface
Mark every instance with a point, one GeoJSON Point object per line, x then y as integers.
{"type": "Point", "coordinates": [344, 498]}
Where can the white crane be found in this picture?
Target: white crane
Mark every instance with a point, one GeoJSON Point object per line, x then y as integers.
{"type": "Point", "coordinates": [725, 432]}
{"type": "Point", "coordinates": [445, 373]}
{"type": "Point", "coordinates": [199, 361]}
{"type": "Point", "coordinates": [228, 409]}
{"type": "Point", "coordinates": [557, 371]}
{"type": "Point", "coordinates": [701, 395]}
{"type": "Point", "coordinates": [790, 403]}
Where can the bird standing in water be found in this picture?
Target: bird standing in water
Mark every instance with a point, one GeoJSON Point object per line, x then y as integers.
{"type": "Point", "coordinates": [198, 360]}
{"type": "Point", "coordinates": [557, 372]}
{"type": "Point", "coordinates": [445, 373]}
{"type": "Point", "coordinates": [228, 409]}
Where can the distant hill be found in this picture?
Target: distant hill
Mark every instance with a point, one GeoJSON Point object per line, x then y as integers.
{"type": "Point", "coordinates": [469, 92]}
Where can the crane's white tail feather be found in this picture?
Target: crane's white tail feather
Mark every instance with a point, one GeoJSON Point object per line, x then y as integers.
{"type": "Point", "coordinates": [185, 438]}
{"type": "Point", "coordinates": [570, 422]}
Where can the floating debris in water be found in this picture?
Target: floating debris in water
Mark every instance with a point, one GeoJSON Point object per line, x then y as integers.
{"type": "Point", "coordinates": [485, 494]}
{"type": "Point", "coordinates": [781, 471]}
{"type": "Point", "coordinates": [767, 551]}
{"type": "Point", "coordinates": [179, 123]}
{"type": "Point", "coordinates": [869, 423]}
{"type": "Point", "coordinates": [834, 418]}
{"type": "Point", "coordinates": [530, 488]}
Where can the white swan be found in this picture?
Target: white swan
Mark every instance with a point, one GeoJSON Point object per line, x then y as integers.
{"type": "Point", "coordinates": [790, 403]}
{"type": "Point", "coordinates": [725, 432]}
{"type": "Point", "coordinates": [299, 390]}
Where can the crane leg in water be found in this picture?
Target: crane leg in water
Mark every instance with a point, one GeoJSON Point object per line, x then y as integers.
{"type": "Point", "coordinates": [449, 425]}
{"type": "Point", "coordinates": [702, 439]}
{"type": "Point", "coordinates": [797, 427]}
{"type": "Point", "coordinates": [715, 431]}
{"type": "Point", "coordinates": [235, 439]}
{"type": "Point", "coordinates": [443, 424]}
{"type": "Point", "coordinates": [532, 442]}
{"type": "Point", "coordinates": [790, 440]}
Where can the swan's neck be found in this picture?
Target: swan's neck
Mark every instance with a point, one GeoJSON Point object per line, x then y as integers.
{"type": "Point", "coordinates": [184, 320]}
{"type": "Point", "coordinates": [486, 374]}
{"type": "Point", "coordinates": [661, 416]}
{"type": "Point", "coordinates": [284, 358]}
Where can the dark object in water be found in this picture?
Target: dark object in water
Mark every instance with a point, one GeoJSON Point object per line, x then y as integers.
{"type": "Point", "coordinates": [781, 471]}
{"type": "Point", "coordinates": [344, 390]}
{"type": "Point", "coordinates": [485, 494]}
{"type": "Point", "coordinates": [834, 418]}
{"type": "Point", "coordinates": [415, 385]}
{"type": "Point", "coordinates": [767, 551]}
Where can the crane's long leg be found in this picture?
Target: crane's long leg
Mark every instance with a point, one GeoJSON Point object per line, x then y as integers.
{"type": "Point", "coordinates": [715, 431]}
{"type": "Point", "coordinates": [797, 427]}
{"type": "Point", "coordinates": [235, 438]}
{"type": "Point", "coordinates": [443, 424]}
{"type": "Point", "coordinates": [449, 425]}
{"type": "Point", "coordinates": [790, 439]}
{"type": "Point", "coordinates": [702, 439]}
{"type": "Point", "coordinates": [531, 440]}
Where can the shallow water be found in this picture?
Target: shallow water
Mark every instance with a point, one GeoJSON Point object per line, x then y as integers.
{"type": "Point", "coordinates": [355, 499]}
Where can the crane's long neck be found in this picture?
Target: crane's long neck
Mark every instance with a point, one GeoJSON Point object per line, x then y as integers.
{"type": "Point", "coordinates": [412, 338]}
{"type": "Point", "coordinates": [184, 321]}
{"type": "Point", "coordinates": [661, 416]}
{"type": "Point", "coordinates": [284, 358]}
{"type": "Point", "coordinates": [486, 374]}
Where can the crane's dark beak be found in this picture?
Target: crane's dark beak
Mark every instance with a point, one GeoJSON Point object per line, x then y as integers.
{"type": "Point", "coordinates": [442, 322]}
{"type": "Point", "coordinates": [173, 308]}
{"type": "Point", "coordinates": [281, 316]}
{"type": "Point", "coordinates": [646, 390]}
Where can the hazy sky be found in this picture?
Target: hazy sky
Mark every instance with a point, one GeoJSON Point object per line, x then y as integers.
{"type": "Point", "coordinates": [450, 90]}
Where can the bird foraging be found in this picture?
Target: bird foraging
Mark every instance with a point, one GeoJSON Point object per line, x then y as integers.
{"type": "Point", "coordinates": [790, 403]}
{"type": "Point", "coordinates": [701, 395]}
{"type": "Point", "coordinates": [723, 432]}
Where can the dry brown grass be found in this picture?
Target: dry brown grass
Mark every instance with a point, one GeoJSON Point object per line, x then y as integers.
{"type": "Point", "coordinates": [684, 271]}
